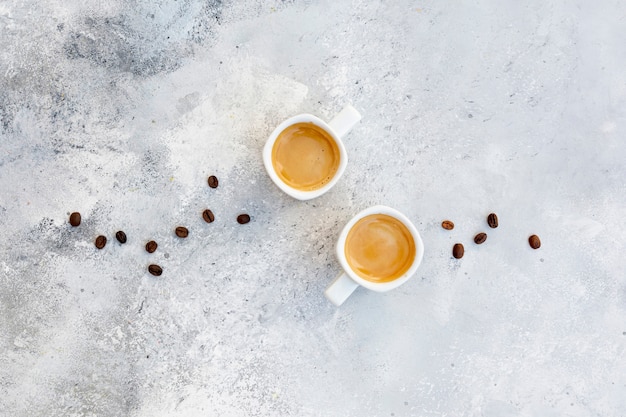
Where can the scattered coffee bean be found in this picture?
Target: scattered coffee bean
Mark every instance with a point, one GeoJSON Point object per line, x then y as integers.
{"type": "Point", "coordinates": [480, 238]}
{"type": "Point", "coordinates": [182, 232]}
{"type": "Point", "coordinates": [447, 224]}
{"type": "Point", "coordinates": [155, 270]}
{"type": "Point", "coordinates": [458, 250]}
{"type": "Point", "coordinates": [243, 219]}
{"type": "Point", "coordinates": [151, 246]}
{"type": "Point", "coordinates": [208, 216]}
{"type": "Point", "coordinates": [75, 219]}
{"type": "Point", "coordinates": [534, 242]}
{"type": "Point", "coordinates": [213, 182]}
{"type": "Point", "coordinates": [492, 220]}
{"type": "Point", "coordinates": [121, 237]}
{"type": "Point", "coordinates": [101, 242]}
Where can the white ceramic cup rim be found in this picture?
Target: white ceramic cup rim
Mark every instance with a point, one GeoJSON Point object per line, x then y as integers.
{"type": "Point", "coordinates": [380, 286]}
{"type": "Point", "coordinates": [269, 166]}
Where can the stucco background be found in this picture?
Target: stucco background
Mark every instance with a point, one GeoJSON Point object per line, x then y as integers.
{"type": "Point", "coordinates": [121, 109]}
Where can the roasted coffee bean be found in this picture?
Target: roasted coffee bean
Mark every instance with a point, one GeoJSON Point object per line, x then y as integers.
{"type": "Point", "coordinates": [243, 219]}
{"type": "Point", "coordinates": [151, 246]}
{"type": "Point", "coordinates": [208, 216]}
{"type": "Point", "coordinates": [213, 182]}
{"type": "Point", "coordinates": [120, 236]}
{"type": "Point", "coordinates": [458, 250]}
{"type": "Point", "coordinates": [75, 219]}
{"type": "Point", "coordinates": [447, 224]}
{"type": "Point", "coordinates": [534, 242]}
{"type": "Point", "coordinates": [101, 242]}
{"type": "Point", "coordinates": [182, 232]}
{"type": "Point", "coordinates": [155, 270]}
{"type": "Point", "coordinates": [480, 238]}
{"type": "Point", "coordinates": [492, 220]}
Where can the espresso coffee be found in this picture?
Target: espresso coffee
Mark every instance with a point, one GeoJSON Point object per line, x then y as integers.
{"type": "Point", "coordinates": [305, 156]}
{"type": "Point", "coordinates": [380, 248]}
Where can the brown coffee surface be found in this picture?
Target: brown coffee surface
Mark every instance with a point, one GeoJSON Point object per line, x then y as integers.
{"type": "Point", "coordinates": [305, 156]}
{"type": "Point", "coordinates": [380, 248]}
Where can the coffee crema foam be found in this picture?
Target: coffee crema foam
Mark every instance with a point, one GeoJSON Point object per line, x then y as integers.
{"type": "Point", "coordinates": [379, 248]}
{"type": "Point", "coordinates": [305, 156]}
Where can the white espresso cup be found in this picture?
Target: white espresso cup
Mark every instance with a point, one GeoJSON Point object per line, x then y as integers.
{"type": "Point", "coordinates": [305, 156]}
{"type": "Point", "coordinates": [379, 249]}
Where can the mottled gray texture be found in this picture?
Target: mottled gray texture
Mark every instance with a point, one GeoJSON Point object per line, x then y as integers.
{"type": "Point", "coordinates": [121, 110]}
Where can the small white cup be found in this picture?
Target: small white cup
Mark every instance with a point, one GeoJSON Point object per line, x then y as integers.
{"type": "Point", "coordinates": [348, 280]}
{"type": "Point", "coordinates": [337, 128]}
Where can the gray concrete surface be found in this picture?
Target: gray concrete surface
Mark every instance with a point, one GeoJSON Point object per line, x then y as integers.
{"type": "Point", "coordinates": [121, 110]}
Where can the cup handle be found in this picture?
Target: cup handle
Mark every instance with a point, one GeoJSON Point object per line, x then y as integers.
{"type": "Point", "coordinates": [340, 289]}
{"type": "Point", "coordinates": [345, 120]}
